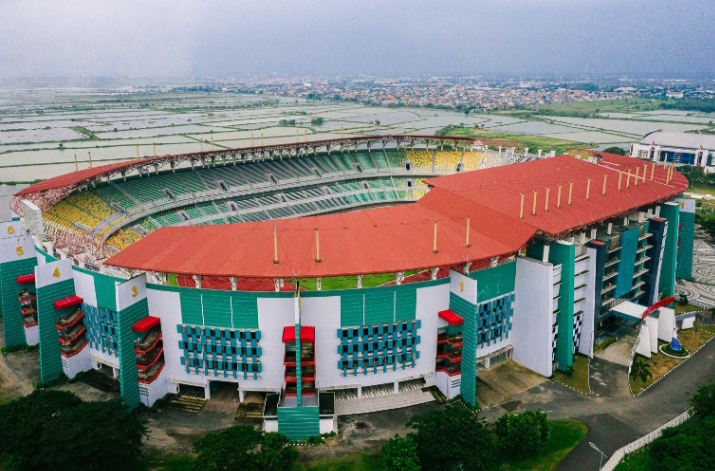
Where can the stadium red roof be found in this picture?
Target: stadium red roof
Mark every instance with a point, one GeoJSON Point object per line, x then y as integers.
{"type": "Point", "coordinates": [400, 238]}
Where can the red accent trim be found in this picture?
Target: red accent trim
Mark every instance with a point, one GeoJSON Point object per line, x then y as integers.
{"type": "Point", "coordinates": [149, 381]}
{"type": "Point", "coordinates": [451, 317]}
{"type": "Point", "coordinates": [441, 356]}
{"type": "Point", "coordinates": [145, 324]}
{"type": "Point", "coordinates": [307, 334]}
{"type": "Point", "coordinates": [70, 301]}
{"type": "Point", "coordinates": [456, 345]}
{"type": "Point", "coordinates": [28, 312]}
{"type": "Point", "coordinates": [158, 357]}
{"type": "Point", "coordinates": [294, 379]}
{"type": "Point", "coordinates": [75, 337]}
{"type": "Point", "coordinates": [75, 353]}
{"type": "Point", "coordinates": [656, 306]}
{"type": "Point", "coordinates": [151, 347]}
{"type": "Point", "coordinates": [72, 324]}
{"type": "Point", "coordinates": [25, 279]}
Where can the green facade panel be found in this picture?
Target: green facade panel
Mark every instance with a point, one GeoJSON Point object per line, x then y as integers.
{"type": "Point", "coordinates": [299, 423]}
{"type": "Point", "coordinates": [14, 329]}
{"type": "Point", "coordinates": [381, 305]}
{"type": "Point", "coordinates": [50, 350]}
{"type": "Point", "coordinates": [468, 312]}
{"type": "Point", "coordinates": [685, 250]}
{"type": "Point", "coordinates": [128, 374]}
{"type": "Point", "coordinates": [565, 255]}
{"type": "Point", "coordinates": [227, 309]}
{"type": "Point", "coordinates": [627, 256]}
{"type": "Point", "coordinates": [671, 212]}
{"type": "Point", "coordinates": [495, 282]}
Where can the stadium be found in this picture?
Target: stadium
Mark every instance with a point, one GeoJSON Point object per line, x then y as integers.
{"type": "Point", "coordinates": [320, 278]}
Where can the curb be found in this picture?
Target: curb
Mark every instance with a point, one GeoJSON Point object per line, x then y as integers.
{"type": "Point", "coordinates": [588, 379]}
{"type": "Point", "coordinates": [666, 374]}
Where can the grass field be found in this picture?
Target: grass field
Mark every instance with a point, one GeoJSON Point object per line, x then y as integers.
{"type": "Point", "coordinates": [579, 379]}
{"type": "Point", "coordinates": [585, 109]}
{"type": "Point", "coordinates": [523, 140]}
{"type": "Point", "coordinates": [565, 435]}
{"type": "Point", "coordinates": [682, 308]}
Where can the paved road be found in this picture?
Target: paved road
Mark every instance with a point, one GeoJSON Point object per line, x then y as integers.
{"type": "Point", "coordinates": [614, 420]}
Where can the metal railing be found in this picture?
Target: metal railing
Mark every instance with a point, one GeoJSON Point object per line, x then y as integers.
{"type": "Point", "coordinates": [619, 454]}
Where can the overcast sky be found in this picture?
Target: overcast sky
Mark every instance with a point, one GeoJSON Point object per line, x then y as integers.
{"type": "Point", "coordinates": [180, 38]}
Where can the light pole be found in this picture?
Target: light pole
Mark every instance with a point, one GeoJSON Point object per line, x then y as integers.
{"type": "Point", "coordinates": [603, 455]}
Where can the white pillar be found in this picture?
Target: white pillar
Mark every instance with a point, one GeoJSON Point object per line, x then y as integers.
{"type": "Point", "coordinates": [359, 281]}
{"type": "Point", "coordinates": [594, 233]}
{"type": "Point", "coordinates": [319, 284]}
{"type": "Point", "coordinates": [397, 387]}
{"type": "Point", "coordinates": [433, 273]}
{"type": "Point", "coordinates": [234, 283]}
{"type": "Point", "coordinates": [657, 211]}
{"type": "Point", "coordinates": [399, 277]}
{"type": "Point", "coordinates": [625, 221]}
{"type": "Point", "coordinates": [359, 392]}
{"type": "Point", "coordinates": [466, 267]}
{"type": "Point", "coordinates": [539, 153]}
{"type": "Point", "coordinates": [610, 228]}
{"type": "Point", "coordinates": [545, 256]}
{"type": "Point", "coordinates": [207, 391]}
{"type": "Point", "coordinates": [241, 395]}
{"type": "Point", "coordinates": [197, 281]}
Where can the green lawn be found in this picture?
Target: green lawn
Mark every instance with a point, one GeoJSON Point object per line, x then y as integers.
{"type": "Point", "coordinates": [168, 463]}
{"type": "Point", "coordinates": [524, 140]}
{"type": "Point", "coordinates": [635, 462]}
{"type": "Point", "coordinates": [356, 462]}
{"type": "Point", "coordinates": [579, 378]}
{"type": "Point", "coordinates": [565, 435]}
{"type": "Point", "coordinates": [682, 308]}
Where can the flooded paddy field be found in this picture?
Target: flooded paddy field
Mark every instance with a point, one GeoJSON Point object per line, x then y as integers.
{"type": "Point", "coordinates": [42, 130]}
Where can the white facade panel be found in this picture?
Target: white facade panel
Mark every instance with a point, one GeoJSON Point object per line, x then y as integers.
{"type": "Point", "coordinates": [585, 345]}
{"type": "Point", "coordinates": [531, 324]}
{"type": "Point", "coordinates": [31, 335]}
{"type": "Point", "coordinates": [84, 287]}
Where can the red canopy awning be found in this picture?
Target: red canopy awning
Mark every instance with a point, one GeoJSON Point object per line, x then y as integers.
{"type": "Point", "coordinates": [451, 317]}
{"type": "Point", "coordinates": [307, 334]}
{"type": "Point", "coordinates": [145, 324]}
{"type": "Point", "coordinates": [25, 279]}
{"type": "Point", "coordinates": [68, 302]}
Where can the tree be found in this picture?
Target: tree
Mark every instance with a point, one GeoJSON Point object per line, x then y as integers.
{"type": "Point", "coordinates": [96, 436]}
{"type": "Point", "coordinates": [22, 443]}
{"type": "Point", "coordinates": [640, 370]}
{"type": "Point", "coordinates": [523, 434]}
{"type": "Point", "coordinates": [316, 121]}
{"type": "Point", "coordinates": [703, 401]}
{"type": "Point", "coordinates": [615, 150]}
{"type": "Point", "coordinates": [451, 439]}
{"type": "Point", "coordinates": [55, 430]}
{"type": "Point", "coordinates": [400, 454]}
{"type": "Point", "coordinates": [244, 447]}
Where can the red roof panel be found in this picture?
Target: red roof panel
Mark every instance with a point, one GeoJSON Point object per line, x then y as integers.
{"type": "Point", "coordinates": [400, 238]}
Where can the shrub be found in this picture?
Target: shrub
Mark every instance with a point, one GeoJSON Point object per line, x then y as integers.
{"type": "Point", "coordinates": [400, 454]}
{"type": "Point", "coordinates": [523, 434]}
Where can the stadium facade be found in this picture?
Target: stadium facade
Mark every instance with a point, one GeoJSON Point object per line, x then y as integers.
{"type": "Point", "coordinates": [524, 258]}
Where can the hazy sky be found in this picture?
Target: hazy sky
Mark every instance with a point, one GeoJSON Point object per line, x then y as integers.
{"type": "Point", "coordinates": [180, 38]}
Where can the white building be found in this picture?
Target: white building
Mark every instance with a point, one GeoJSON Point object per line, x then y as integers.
{"type": "Point", "coordinates": [677, 147]}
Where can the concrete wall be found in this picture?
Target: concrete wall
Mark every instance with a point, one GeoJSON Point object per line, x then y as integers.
{"type": "Point", "coordinates": [585, 346]}
{"type": "Point", "coordinates": [531, 329]}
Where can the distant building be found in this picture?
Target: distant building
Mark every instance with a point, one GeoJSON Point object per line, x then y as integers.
{"type": "Point", "coordinates": [677, 147]}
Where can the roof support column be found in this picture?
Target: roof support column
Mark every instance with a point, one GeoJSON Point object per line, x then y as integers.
{"type": "Point", "coordinates": [319, 284]}
{"type": "Point", "coordinates": [399, 277]}
{"type": "Point", "coordinates": [359, 281]}
{"type": "Point", "coordinates": [234, 282]}
{"type": "Point", "coordinates": [433, 273]}
{"type": "Point", "coordinates": [466, 268]}
{"type": "Point", "coordinates": [197, 281]}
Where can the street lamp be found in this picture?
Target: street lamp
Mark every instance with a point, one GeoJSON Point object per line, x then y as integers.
{"type": "Point", "coordinates": [603, 455]}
